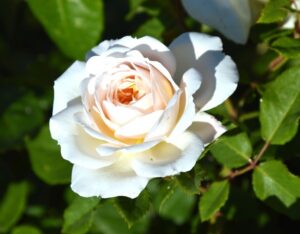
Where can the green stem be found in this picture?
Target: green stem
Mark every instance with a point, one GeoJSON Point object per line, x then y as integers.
{"type": "Point", "coordinates": [249, 115]}
{"type": "Point", "coordinates": [252, 163]}
{"type": "Point", "coordinates": [231, 111]}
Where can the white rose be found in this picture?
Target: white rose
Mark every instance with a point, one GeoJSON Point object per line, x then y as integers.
{"type": "Point", "coordinates": [232, 18]}
{"type": "Point", "coordinates": [292, 17]}
{"type": "Point", "coordinates": [135, 111]}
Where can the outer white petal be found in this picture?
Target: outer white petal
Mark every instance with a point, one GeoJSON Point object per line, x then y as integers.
{"type": "Point", "coordinates": [206, 127]}
{"type": "Point", "coordinates": [99, 49]}
{"type": "Point", "coordinates": [230, 17]}
{"type": "Point", "coordinates": [67, 86]}
{"type": "Point", "coordinates": [151, 48]}
{"type": "Point", "coordinates": [189, 47]}
{"type": "Point", "coordinates": [218, 72]}
{"type": "Point", "coordinates": [116, 180]}
{"type": "Point", "coordinates": [178, 155]}
{"type": "Point", "coordinates": [76, 145]}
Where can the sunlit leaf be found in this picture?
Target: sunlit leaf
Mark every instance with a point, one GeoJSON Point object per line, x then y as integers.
{"type": "Point", "coordinates": [274, 11]}
{"type": "Point", "coordinates": [280, 108]}
{"type": "Point", "coordinates": [272, 178]}
{"type": "Point", "coordinates": [288, 47]}
{"type": "Point", "coordinates": [232, 151]}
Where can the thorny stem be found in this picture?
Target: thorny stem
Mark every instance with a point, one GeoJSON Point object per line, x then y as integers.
{"type": "Point", "coordinates": [252, 163]}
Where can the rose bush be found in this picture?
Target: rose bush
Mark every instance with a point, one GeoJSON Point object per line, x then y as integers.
{"type": "Point", "coordinates": [135, 110]}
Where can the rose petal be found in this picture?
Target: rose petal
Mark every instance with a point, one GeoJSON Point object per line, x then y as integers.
{"type": "Point", "coordinates": [115, 180]}
{"type": "Point", "coordinates": [93, 131]}
{"type": "Point", "coordinates": [152, 49]}
{"type": "Point", "coordinates": [99, 49]}
{"type": "Point", "coordinates": [165, 159]}
{"type": "Point", "coordinates": [145, 104]}
{"type": "Point", "coordinates": [167, 121]}
{"type": "Point", "coordinates": [230, 17]}
{"type": "Point", "coordinates": [190, 83]}
{"type": "Point", "coordinates": [160, 68]}
{"type": "Point", "coordinates": [120, 114]}
{"type": "Point", "coordinates": [218, 72]}
{"type": "Point", "coordinates": [162, 89]}
{"type": "Point", "coordinates": [206, 127]}
{"type": "Point", "coordinates": [76, 146]}
{"type": "Point", "coordinates": [189, 47]}
{"type": "Point", "coordinates": [138, 127]}
{"type": "Point", "coordinates": [99, 64]}
{"type": "Point", "coordinates": [109, 149]}
{"type": "Point", "coordinates": [67, 86]}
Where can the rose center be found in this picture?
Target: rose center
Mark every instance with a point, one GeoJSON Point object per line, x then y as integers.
{"type": "Point", "coordinates": [128, 91]}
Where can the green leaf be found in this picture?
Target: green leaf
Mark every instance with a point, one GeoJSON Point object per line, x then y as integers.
{"type": "Point", "coordinates": [108, 221]}
{"type": "Point", "coordinates": [190, 181]}
{"type": "Point", "coordinates": [177, 205]}
{"type": "Point", "coordinates": [20, 119]}
{"type": "Point", "coordinates": [288, 47]}
{"type": "Point", "coordinates": [280, 108]}
{"type": "Point", "coordinates": [213, 199]}
{"type": "Point", "coordinates": [78, 217]}
{"type": "Point", "coordinates": [46, 160]}
{"type": "Point", "coordinates": [26, 229]}
{"type": "Point", "coordinates": [274, 11]}
{"type": "Point", "coordinates": [152, 27]}
{"type": "Point", "coordinates": [13, 205]}
{"type": "Point", "coordinates": [232, 151]}
{"type": "Point", "coordinates": [75, 26]}
{"type": "Point", "coordinates": [132, 210]}
{"type": "Point", "coordinates": [135, 7]}
{"type": "Point", "coordinates": [272, 178]}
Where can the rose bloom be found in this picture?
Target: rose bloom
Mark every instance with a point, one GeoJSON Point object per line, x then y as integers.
{"type": "Point", "coordinates": [135, 110]}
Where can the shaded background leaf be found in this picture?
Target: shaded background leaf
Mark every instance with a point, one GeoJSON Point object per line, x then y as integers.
{"type": "Point", "coordinates": [132, 210]}
{"type": "Point", "coordinates": [78, 217]}
{"type": "Point", "coordinates": [213, 199]}
{"type": "Point", "coordinates": [13, 205]}
{"type": "Point", "coordinates": [74, 25]}
{"type": "Point", "coordinates": [46, 160]}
